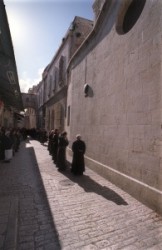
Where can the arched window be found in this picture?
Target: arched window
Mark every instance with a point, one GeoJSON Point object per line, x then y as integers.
{"type": "Point", "coordinates": [129, 13]}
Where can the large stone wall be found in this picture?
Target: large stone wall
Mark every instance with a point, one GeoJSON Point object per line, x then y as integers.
{"type": "Point", "coordinates": [120, 120]}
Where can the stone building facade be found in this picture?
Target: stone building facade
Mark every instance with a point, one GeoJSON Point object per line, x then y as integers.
{"type": "Point", "coordinates": [10, 96]}
{"type": "Point", "coordinates": [119, 116]}
{"type": "Point", "coordinates": [54, 80]}
{"type": "Point", "coordinates": [41, 109]}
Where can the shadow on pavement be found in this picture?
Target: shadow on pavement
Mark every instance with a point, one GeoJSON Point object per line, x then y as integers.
{"type": "Point", "coordinates": [46, 220]}
{"type": "Point", "coordinates": [89, 185]}
{"type": "Point", "coordinates": [21, 178]}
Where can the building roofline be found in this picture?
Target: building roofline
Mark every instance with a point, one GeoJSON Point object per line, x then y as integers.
{"type": "Point", "coordinates": [64, 39]}
{"type": "Point", "coordinates": [98, 22]}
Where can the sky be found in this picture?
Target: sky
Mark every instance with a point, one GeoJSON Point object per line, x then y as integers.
{"type": "Point", "coordinates": [37, 28]}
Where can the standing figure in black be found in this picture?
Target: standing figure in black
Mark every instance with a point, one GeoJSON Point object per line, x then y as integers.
{"type": "Point", "coordinates": [50, 141]}
{"type": "Point", "coordinates": [54, 146]}
{"type": "Point", "coordinates": [61, 153]}
{"type": "Point", "coordinates": [78, 148]}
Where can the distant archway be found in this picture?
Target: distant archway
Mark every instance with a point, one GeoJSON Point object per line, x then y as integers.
{"type": "Point", "coordinates": [29, 100]}
{"type": "Point", "coordinates": [30, 108]}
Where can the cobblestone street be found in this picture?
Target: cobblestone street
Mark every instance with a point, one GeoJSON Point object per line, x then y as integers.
{"type": "Point", "coordinates": [44, 209]}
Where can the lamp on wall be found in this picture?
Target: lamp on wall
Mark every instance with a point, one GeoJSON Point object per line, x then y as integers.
{"type": "Point", "coordinates": [86, 89]}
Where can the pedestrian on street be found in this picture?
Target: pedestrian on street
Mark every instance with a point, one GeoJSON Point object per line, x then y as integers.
{"type": "Point", "coordinates": [54, 146]}
{"type": "Point", "coordinates": [78, 148]}
{"type": "Point", "coordinates": [43, 137]}
{"type": "Point", "coordinates": [50, 141]}
{"type": "Point", "coordinates": [61, 154]}
{"type": "Point", "coordinates": [8, 143]}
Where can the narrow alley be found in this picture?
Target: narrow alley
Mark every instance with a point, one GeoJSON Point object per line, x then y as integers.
{"type": "Point", "coordinates": [44, 209]}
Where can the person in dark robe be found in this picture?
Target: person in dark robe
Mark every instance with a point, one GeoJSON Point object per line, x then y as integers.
{"type": "Point", "coordinates": [54, 146]}
{"type": "Point", "coordinates": [50, 136]}
{"type": "Point", "coordinates": [78, 148]}
{"type": "Point", "coordinates": [44, 136]}
{"type": "Point", "coordinates": [61, 153]}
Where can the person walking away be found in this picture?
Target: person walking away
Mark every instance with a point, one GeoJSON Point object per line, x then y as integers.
{"type": "Point", "coordinates": [78, 148]}
{"type": "Point", "coordinates": [61, 154]}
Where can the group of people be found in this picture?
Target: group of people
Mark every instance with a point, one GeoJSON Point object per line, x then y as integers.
{"type": "Point", "coordinates": [9, 143]}
{"type": "Point", "coordinates": [57, 144]}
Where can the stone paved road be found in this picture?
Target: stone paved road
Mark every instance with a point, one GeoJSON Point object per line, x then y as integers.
{"type": "Point", "coordinates": [59, 211]}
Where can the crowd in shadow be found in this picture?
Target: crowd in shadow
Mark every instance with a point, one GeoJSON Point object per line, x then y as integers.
{"type": "Point", "coordinates": [10, 140]}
